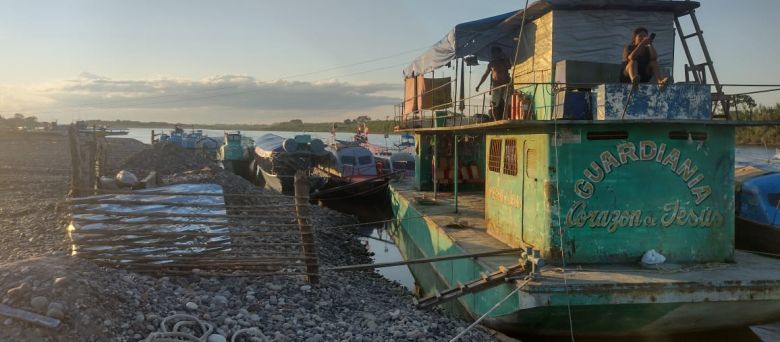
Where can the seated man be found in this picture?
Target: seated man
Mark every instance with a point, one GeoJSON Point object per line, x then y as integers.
{"type": "Point", "coordinates": [640, 62]}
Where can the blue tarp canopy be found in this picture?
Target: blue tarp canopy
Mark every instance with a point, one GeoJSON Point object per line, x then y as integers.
{"type": "Point", "coordinates": [476, 38]}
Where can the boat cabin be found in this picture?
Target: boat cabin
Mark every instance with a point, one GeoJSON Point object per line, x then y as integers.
{"type": "Point", "coordinates": [581, 168]}
{"type": "Point", "coordinates": [349, 161]}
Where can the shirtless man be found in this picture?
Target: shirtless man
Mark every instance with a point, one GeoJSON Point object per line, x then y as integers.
{"type": "Point", "coordinates": [498, 69]}
{"type": "Point", "coordinates": [641, 59]}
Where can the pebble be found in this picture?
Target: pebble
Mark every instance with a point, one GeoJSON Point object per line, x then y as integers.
{"type": "Point", "coordinates": [306, 288]}
{"type": "Point", "coordinates": [191, 306]}
{"type": "Point", "coordinates": [39, 303]}
{"type": "Point", "coordinates": [274, 287]}
{"type": "Point", "coordinates": [216, 338]}
{"type": "Point", "coordinates": [60, 282]}
{"type": "Point", "coordinates": [19, 291]}
{"type": "Point", "coordinates": [220, 300]}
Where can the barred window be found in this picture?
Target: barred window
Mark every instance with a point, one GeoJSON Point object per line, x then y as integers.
{"type": "Point", "coordinates": [494, 158]}
{"type": "Point", "coordinates": [510, 157]}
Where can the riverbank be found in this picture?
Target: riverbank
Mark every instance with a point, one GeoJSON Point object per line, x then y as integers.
{"type": "Point", "coordinates": [99, 304]}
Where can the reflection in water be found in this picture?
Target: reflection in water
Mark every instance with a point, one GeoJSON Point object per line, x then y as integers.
{"type": "Point", "coordinates": [379, 242]}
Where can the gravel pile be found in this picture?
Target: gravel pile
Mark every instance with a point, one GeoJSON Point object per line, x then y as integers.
{"type": "Point", "coordinates": [166, 158]}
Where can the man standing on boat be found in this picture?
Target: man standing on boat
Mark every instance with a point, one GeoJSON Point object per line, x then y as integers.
{"type": "Point", "coordinates": [498, 69]}
{"type": "Point", "coordinates": [640, 60]}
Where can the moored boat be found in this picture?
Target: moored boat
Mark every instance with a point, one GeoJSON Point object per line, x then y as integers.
{"type": "Point", "coordinates": [234, 154]}
{"type": "Point", "coordinates": [758, 209]}
{"type": "Point", "coordinates": [277, 159]}
{"type": "Point", "coordinates": [621, 198]}
{"type": "Point", "coordinates": [350, 173]}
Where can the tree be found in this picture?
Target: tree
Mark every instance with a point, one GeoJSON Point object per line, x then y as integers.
{"type": "Point", "coordinates": [363, 118]}
{"type": "Point", "coordinates": [347, 121]}
{"type": "Point", "coordinates": [296, 121]}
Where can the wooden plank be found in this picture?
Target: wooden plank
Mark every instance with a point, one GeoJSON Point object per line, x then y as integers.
{"type": "Point", "coordinates": [28, 316]}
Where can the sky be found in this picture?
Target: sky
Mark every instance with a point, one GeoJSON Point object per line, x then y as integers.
{"type": "Point", "coordinates": [271, 61]}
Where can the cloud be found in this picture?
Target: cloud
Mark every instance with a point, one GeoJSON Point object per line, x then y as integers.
{"type": "Point", "coordinates": [237, 98]}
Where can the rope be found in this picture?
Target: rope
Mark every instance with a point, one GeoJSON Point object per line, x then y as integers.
{"type": "Point", "coordinates": [474, 324]}
{"type": "Point", "coordinates": [177, 328]}
{"type": "Point", "coordinates": [560, 232]}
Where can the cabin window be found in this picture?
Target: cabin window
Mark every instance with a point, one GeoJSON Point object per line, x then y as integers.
{"type": "Point", "coordinates": [364, 160]}
{"type": "Point", "coordinates": [530, 163]}
{"type": "Point", "coordinates": [609, 135]}
{"type": "Point", "coordinates": [348, 160]}
{"type": "Point", "coordinates": [494, 158]}
{"type": "Point", "coordinates": [684, 135]}
{"type": "Point", "coordinates": [510, 157]}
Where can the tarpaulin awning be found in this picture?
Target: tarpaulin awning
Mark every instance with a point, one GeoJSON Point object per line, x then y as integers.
{"type": "Point", "coordinates": [476, 38]}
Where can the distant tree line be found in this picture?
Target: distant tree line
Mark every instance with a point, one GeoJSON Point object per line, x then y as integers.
{"type": "Point", "coordinates": [759, 135]}
{"type": "Point", "coordinates": [19, 121]}
{"type": "Point", "coordinates": [294, 125]}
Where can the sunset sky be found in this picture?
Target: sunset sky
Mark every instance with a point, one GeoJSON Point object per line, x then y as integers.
{"type": "Point", "coordinates": [270, 61]}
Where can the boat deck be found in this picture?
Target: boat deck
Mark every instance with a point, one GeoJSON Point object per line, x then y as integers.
{"type": "Point", "coordinates": [468, 231]}
{"type": "Point", "coordinates": [466, 227]}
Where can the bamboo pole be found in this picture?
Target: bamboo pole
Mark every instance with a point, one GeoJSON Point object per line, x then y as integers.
{"type": "Point", "coordinates": [184, 193]}
{"type": "Point", "coordinates": [103, 200]}
{"type": "Point", "coordinates": [75, 161]}
{"type": "Point", "coordinates": [425, 260]}
{"type": "Point", "coordinates": [141, 214]}
{"type": "Point", "coordinates": [307, 236]}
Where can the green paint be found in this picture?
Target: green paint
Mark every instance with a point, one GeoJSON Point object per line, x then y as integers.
{"type": "Point", "coordinates": [614, 204]}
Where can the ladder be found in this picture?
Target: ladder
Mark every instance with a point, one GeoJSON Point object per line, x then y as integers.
{"type": "Point", "coordinates": [698, 71]}
{"type": "Point", "coordinates": [485, 281]}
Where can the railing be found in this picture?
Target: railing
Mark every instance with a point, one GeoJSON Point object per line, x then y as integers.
{"type": "Point", "coordinates": [463, 111]}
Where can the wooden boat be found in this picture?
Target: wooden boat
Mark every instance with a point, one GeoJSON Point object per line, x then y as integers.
{"type": "Point", "coordinates": [758, 209]}
{"type": "Point", "coordinates": [586, 192]}
{"type": "Point", "coordinates": [277, 159]}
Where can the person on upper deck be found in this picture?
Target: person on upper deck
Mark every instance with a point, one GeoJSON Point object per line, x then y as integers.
{"type": "Point", "coordinates": [640, 60]}
{"type": "Point", "coordinates": [498, 69]}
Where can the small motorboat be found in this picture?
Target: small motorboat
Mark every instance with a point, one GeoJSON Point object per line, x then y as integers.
{"type": "Point", "coordinates": [757, 209]}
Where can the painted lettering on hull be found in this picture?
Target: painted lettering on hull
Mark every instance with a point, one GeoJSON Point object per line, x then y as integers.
{"type": "Point", "coordinates": [649, 151]}
{"type": "Point", "coordinates": [673, 214]}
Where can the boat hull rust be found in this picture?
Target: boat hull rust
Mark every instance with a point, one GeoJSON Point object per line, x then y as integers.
{"type": "Point", "coordinates": [620, 300]}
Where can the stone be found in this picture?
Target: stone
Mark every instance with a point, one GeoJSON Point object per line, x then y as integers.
{"type": "Point", "coordinates": [216, 338]}
{"type": "Point", "coordinates": [306, 288]}
{"type": "Point", "coordinates": [55, 313]}
{"type": "Point", "coordinates": [395, 314]}
{"type": "Point", "coordinates": [39, 303]}
{"type": "Point", "coordinates": [139, 317]}
{"type": "Point", "coordinates": [56, 306]}
{"type": "Point", "coordinates": [191, 306]}
{"type": "Point", "coordinates": [21, 290]}
{"type": "Point", "coordinates": [107, 322]}
{"type": "Point", "coordinates": [220, 300]}
{"type": "Point", "coordinates": [60, 282]}
{"type": "Point", "coordinates": [274, 287]}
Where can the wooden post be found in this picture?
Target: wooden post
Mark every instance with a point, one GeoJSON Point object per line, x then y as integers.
{"type": "Point", "coordinates": [307, 234]}
{"type": "Point", "coordinates": [76, 184]}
